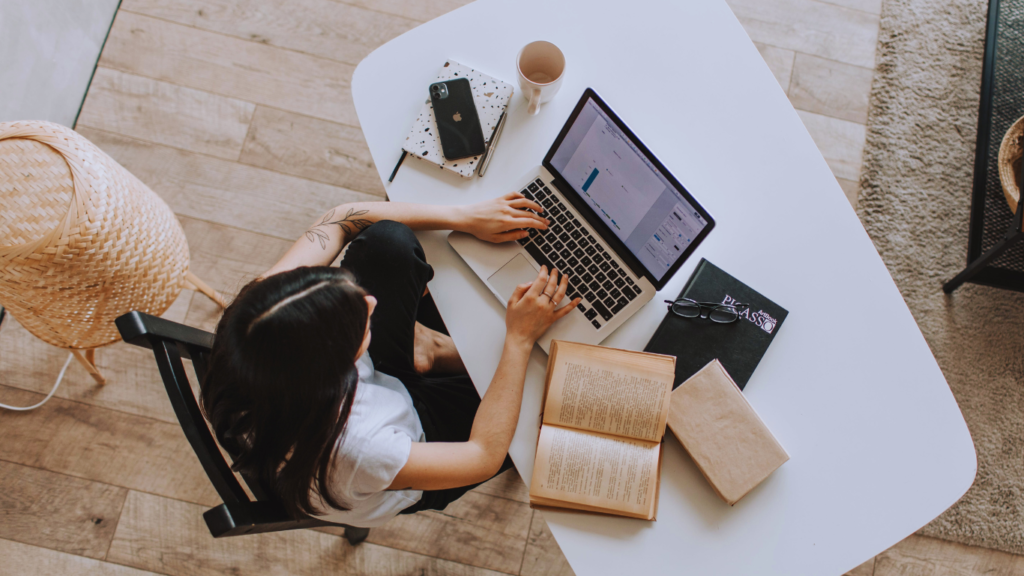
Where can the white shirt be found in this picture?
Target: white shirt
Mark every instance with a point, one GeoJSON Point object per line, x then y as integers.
{"type": "Point", "coordinates": [374, 447]}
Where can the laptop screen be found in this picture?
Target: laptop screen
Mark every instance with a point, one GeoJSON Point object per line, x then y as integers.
{"type": "Point", "coordinates": [626, 190]}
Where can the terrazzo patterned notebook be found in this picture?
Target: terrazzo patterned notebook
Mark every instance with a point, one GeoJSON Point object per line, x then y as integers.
{"type": "Point", "coordinates": [491, 97]}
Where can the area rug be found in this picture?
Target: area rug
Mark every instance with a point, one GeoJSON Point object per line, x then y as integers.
{"type": "Point", "coordinates": [914, 203]}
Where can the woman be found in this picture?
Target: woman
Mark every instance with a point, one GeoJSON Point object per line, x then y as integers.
{"type": "Point", "coordinates": [327, 390]}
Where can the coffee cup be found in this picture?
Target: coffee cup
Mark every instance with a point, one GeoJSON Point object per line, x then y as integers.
{"type": "Point", "coordinates": [541, 68]}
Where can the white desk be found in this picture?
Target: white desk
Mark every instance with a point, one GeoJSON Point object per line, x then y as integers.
{"type": "Point", "coordinates": [849, 387]}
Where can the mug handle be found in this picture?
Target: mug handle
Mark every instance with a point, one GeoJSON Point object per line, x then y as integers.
{"type": "Point", "coordinates": [534, 102]}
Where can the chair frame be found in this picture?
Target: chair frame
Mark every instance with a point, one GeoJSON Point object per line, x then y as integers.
{"type": "Point", "coordinates": [238, 515]}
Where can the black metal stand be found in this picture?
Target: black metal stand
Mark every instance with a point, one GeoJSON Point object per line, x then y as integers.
{"type": "Point", "coordinates": [995, 255]}
{"type": "Point", "coordinates": [1013, 235]}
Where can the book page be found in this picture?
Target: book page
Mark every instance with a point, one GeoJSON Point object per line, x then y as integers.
{"type": "Point", "coordinates": [607, 390]}
{"type": "Point", "coordinates": [596, 470]}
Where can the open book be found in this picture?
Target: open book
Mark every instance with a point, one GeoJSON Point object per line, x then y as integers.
{"type": "Point", "coordinates": [602, 422]}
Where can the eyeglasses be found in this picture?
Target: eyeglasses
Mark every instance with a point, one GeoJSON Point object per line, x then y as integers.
{"type": "Point", "coordinates": [721, 313]}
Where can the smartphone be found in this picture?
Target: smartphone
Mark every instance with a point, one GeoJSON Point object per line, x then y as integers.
{"type": "Point", "coordinates": [458, 125]}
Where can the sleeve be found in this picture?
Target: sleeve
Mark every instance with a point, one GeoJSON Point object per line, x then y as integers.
{"type": "Point", "coordinates": [378, 459]}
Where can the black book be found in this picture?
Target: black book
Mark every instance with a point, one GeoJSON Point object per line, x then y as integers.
{"type": "Point", "coordinates": [738, 345]}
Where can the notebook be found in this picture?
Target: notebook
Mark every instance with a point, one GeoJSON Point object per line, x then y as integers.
{"type": "Point", "coordinates": [739, 346]}
{"type": "Point", "coordinates": [491, 96]}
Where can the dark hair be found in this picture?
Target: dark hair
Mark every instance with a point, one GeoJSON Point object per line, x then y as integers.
{"type": "Point", "coordinates": [281, 379]}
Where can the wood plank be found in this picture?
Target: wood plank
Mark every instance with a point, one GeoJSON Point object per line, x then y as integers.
{"type": "Point", "coordinates": [57, 511]}
{"type": "Point", "coordinates": [228, 258]}
{"type": "Point", "coordinates": [543, 556]}
{"type": "Point", "coordinates": [231, 67]}
{"type": "Point", "coordinates": [811, 27]}
{"type": "Point", "coordinates": [224, 192]}
{"type": "Point", "coordinates": [922, 556]}
{"type": "Point", "coordinates": [865, 569]}
{"type": "Point", "coordinates": [44, 562]}
{"type": "Point", "coordinates": [204, 314]}
{"type": "Point", "coordinates": [508, 484]}
{"type": "Point", "coordinates": [841, 143]}
{"type": "Point", "coordinates": [103, 445]}
{"type": "Point", "coordinates": [831, 88]}
{"type": "Point", "coordinates": [869, 6]}
{"type": "Point", "coordinates": [420, 10]}
{"type": "Point", "coordinates": [476, 530]}
{"type": "Point", "coordinates": [133, 381]}
{"type": "Point", "coordinates": [311, 148]}
{"type": "Point", "coordinates": [851, 189]}
{"type": "Point", "coordinates": [166, 113]}
{"type": "Point", "coordinates": [170, 537]}
{"type": "Point", "coordinates": [779, 61]}
{"type": "Point", "coordinates": [319, 27]}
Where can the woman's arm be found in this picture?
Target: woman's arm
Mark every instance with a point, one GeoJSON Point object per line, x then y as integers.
{"type": "Point", "coordinates": [497, 220]}
{"type": "Point", "coordinates": [440, 465]}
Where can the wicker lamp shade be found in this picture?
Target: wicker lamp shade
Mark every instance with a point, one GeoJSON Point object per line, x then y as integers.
{"type": "Point", "coordinates": [82, 240]}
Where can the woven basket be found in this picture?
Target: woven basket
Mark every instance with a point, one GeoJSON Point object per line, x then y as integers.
{"type": "Point", "coordinates": [1011, 151]}
{"type": "Point", "coordinates": [82, 240]}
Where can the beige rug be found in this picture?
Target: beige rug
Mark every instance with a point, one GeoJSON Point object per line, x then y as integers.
{"type": "Point", "coordinates": [914, 203]}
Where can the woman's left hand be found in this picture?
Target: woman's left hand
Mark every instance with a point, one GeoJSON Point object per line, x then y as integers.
{"type": "Point", "coordinates": [502, 219]}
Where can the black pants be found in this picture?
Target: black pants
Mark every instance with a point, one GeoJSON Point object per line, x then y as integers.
{"type": "Point", "coordinates": [389, 263]}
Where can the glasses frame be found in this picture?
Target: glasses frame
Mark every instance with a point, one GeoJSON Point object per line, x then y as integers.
{"type": "Point", "coordinates": [710, 307]}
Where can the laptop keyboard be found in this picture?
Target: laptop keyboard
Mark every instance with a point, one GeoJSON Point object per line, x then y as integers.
{"type": "Point", "coordinates": [605, 287]}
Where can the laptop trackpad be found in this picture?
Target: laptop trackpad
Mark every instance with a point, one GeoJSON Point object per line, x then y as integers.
{"type": "Point", "coordinates": [515, 272]}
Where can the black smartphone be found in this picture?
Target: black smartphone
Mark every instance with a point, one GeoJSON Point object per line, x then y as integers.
{"type": "Point", "coordinates": [458, 125]}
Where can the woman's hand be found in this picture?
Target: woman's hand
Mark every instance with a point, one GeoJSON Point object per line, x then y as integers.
{"type": "Point", "coordinates": [532, 307]}
{"type": "Point", "coordinates": [501, 219]}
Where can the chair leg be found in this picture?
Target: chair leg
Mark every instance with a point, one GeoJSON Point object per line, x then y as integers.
{"type": "Point", "coordinates": [88, 361]}
{"type": "Point", "coordinates": [205, 289]}
{"type": "Point", "coordinates": [356, 535]}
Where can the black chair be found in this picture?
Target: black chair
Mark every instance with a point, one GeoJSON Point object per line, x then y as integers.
{"type": "Point", "coordinates": [170, 342]}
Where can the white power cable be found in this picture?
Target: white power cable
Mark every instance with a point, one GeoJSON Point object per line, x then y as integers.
{"type": "Point", "coordinates": [48, 396]}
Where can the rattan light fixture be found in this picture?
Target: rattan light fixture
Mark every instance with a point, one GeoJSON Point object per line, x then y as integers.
{"type": "Point", "coordinates": [82, 240]}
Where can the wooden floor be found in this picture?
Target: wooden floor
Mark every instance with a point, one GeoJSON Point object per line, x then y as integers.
{"type": "Point", "coordinates": [239, 114]}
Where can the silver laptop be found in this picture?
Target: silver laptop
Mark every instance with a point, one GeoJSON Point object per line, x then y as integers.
{"type": "Point", "coordinates": [621, 225]}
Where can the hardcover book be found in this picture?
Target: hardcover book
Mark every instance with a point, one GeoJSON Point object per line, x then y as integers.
{"type": "Point", "coordinates": [738, 345]}
{"type": "Point", "coordinates": [728, 441]}
{"type": "Point", "coordinates": [602, 422]}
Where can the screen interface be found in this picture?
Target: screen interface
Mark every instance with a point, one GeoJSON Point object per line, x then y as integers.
{"type": "Point", "coordinates": [626, 190]}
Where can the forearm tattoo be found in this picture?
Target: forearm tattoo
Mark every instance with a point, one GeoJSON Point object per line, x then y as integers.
{"type": "Point", "coordinates": [351, 225]}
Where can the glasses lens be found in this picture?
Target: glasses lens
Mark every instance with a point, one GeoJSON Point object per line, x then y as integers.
{"type": "Point", "coordinates": [686, 309]}
{"type": "Point", "coordinates": [724, 314]}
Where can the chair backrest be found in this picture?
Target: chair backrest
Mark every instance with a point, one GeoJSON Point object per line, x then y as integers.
{"type": "Point", "coordinates": [170, 342]}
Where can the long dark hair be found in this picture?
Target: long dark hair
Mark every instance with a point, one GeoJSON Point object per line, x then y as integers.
{"type": "Point", "coordinates": [282, 376]}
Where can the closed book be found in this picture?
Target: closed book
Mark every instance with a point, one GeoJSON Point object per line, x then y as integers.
{"type": "Point", "coordinates": [727, 440]}
{"type": "Point", "coordinates": [738, 345]}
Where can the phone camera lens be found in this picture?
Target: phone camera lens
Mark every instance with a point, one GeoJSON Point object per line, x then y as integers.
{"type": "Point", "coordinates": [436, 88]}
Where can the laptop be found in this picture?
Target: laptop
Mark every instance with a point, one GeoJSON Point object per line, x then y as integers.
{"type": "Point", "coordinates": [621, 225]}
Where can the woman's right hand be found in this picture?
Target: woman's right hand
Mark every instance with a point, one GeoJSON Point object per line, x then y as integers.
{"type": "Point", "coordinates": [532, 307]}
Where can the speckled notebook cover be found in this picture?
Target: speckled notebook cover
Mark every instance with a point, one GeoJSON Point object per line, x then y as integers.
{"type": "Point", "coordinates": [491, 96]}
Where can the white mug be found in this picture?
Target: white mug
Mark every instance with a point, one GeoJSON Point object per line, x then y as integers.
{"type": "Point", "coordinates": [541, 68]}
